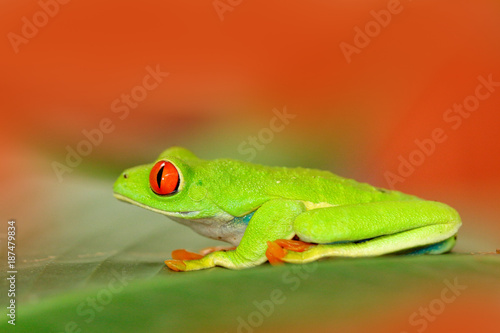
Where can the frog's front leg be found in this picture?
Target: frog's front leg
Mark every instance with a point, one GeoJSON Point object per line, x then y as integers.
{"type": "Point", "coordinates": [273, 220]}
{"type": "Point", "coordinates": [211, 249]}
{"type": "Point", "coordinates": [182, 254]}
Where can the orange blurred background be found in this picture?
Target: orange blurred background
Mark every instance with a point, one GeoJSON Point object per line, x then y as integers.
{"type": "Point", "coordinates": [355, 113]}
{"type": "Point", "coordinates": [228, 75]}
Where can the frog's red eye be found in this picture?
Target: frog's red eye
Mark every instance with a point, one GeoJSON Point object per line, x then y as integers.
{"type": "Point", "coordinates": [164, 178]}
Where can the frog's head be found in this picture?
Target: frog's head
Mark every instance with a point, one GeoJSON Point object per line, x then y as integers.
{"type": "Point", "coordinates": [169, 186]}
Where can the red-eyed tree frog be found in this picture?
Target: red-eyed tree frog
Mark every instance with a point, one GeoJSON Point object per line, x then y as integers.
{"type": "Point", "coordinates": [277, 214]}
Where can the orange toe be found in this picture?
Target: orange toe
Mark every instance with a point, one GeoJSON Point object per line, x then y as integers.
{"type": "Point", "coordinates": [176, 265]}
{"type": "Point", "coordinates": [182, 254]}
{"type": "Point", "coordinates": [293, 245]}
{"type": "Point", "coordinates": [274, 253]}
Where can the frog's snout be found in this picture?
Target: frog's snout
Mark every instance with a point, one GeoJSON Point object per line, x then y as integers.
{"type": "Point", "coordinates": [121, 182]}
{"type": "Point", "coordinates": [133, 182]}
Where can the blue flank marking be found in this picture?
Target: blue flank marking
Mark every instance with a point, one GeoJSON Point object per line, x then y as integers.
{"type": "Point", "coordinates": [243, 219]}
{"type": "Point", "coordinates": [430, 248]}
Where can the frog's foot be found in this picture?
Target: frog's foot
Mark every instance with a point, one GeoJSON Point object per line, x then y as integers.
{"type": "Point", "coordinates": [176, 265]}
{"type": "Point", "coordinates": [294, 245]}
{"type": "Point", "coordinates": [279, 248]}
{"type": "Point", "coordinates": [211, 249]}
{"type": "Point", "coordinates": [228, 259]}
{"type": "Point", "coordinates": [178, 256]}
{"type": "Point", "coordinates": [182, 254]}
{"type": "Point", "coordinates": [274, 253]}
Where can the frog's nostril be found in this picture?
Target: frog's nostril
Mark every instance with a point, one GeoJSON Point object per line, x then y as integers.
{"type": "Point", "coordinates": [125, 176]}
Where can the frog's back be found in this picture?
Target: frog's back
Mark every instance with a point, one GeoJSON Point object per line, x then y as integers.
{"type": "Point", "coordinates": [319, 186]}
{"type": "Point", "coordinates": [255, 184]}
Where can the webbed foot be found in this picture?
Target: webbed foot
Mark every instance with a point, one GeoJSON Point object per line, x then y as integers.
{"type": "Point", "coordinates": [279, 248]}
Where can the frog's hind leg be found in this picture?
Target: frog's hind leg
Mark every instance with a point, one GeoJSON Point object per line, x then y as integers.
{"type": "Point", "coordinates": [436, 248]}
{"type": "Point", "coordinates": [374, 229]}
{"type": "Point", "coordinates": [275, 251]}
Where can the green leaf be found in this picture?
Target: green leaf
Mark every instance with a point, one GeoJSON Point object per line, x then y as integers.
{"type": "Point", "coordinates": [93, 264]}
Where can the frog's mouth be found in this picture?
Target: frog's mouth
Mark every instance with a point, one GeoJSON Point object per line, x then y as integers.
{"type": "Point", "coordinates": [188, 214]}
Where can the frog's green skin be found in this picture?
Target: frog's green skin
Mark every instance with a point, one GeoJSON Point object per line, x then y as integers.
{"type": "Point", "coordinates": [247, 205]}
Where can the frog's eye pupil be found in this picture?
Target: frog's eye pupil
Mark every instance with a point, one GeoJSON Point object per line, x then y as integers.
{"type": "Point", "coordinates": [158, 176]}
{"type": "Point", "coordinates": [164, 178]}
